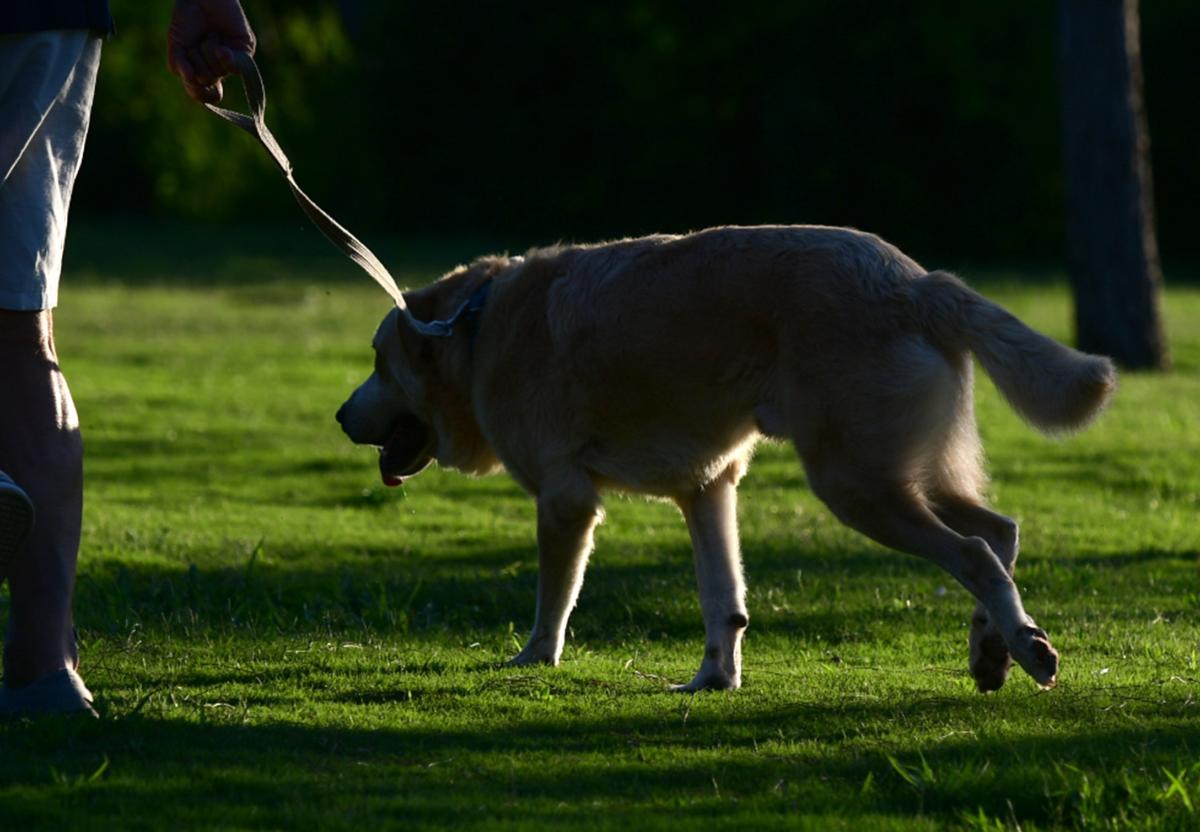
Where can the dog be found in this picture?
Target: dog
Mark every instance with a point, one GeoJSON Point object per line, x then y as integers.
{"type": "Point", "coordinates": [654, 365]}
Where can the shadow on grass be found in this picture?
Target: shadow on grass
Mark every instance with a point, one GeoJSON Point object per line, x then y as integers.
{"type": "Point", "coordinates": [468, 591]}
{"type": "Point", "coordinates": [473, 587]}
{"type": "Point", "coordinates": [1131, 473]}
{"type": "Point", "coordinates": [576, 772]}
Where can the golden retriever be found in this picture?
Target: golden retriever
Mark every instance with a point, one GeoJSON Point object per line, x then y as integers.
{"type": "Point", "coordinates": [654, 365]}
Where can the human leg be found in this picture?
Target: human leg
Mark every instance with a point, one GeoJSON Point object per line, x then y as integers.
{"type": "Point", "coordinates": [46, 85]}
{"type": "Point", "coordinates": [41, 449]}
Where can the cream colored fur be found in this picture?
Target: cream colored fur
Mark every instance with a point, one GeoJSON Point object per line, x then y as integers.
{"type": "Point", "coordinates": [654, 365]}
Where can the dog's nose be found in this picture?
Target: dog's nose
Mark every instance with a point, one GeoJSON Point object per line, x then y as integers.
{"type": "Point", "coordinates": [341, 416]}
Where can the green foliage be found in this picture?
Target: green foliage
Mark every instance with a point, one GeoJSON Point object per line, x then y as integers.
{"type": "Point", "coordinates": [934, 124]}
{"type": "Point", "coordinates": [277, 641]}
{"type": "Point", "coordinates": [153, 147]}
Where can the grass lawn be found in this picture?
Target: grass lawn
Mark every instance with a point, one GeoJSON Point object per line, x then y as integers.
{"type": "Point", "coordinates": [276, 640]}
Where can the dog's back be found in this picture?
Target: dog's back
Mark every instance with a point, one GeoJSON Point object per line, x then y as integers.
{"type": "Point", "coordinates": [664, 355]}
{"type": "Point", "coordinates": [672, 352]}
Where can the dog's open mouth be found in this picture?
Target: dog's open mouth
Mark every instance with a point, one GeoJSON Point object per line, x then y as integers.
{"type": "Point", "coordinates": [407, 451]}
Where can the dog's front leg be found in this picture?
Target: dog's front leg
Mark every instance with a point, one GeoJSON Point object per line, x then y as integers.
{"type": "Point", "coordinates": [566, 517]}
{"type": "Point", "coordinates": [711, 516]}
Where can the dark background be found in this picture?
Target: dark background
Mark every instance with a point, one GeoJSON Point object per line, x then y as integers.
{"type": "Point", "coordinates": [934, 124]}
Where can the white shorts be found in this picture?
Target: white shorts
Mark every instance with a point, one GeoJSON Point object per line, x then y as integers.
{"type": "Point", "coordinates": [46, 85]}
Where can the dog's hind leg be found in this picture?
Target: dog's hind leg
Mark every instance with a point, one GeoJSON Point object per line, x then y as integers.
{"type": "Point", "coordinates": [711, 515]}
{"type": "Point", "coordinates": [989, 657]}
{"type": "Point", "coordinates": [567, 514]}
{"type": "Point", "coordinates": [893, 514]}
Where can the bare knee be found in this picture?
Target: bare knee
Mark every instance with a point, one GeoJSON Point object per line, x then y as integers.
{"type": "Point", "coordinates": [40, 443]}
{"type": "Point", "coordinates": [28, 329]}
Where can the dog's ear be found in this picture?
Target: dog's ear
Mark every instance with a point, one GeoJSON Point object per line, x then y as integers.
{"type": "Point", "coordinates": [416, 336]}
{"type": "Point", "coordinates": [418, 320]}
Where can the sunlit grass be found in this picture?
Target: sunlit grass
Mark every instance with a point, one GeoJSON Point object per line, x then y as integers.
{"type": "Point", "coordinates": [277, 640]}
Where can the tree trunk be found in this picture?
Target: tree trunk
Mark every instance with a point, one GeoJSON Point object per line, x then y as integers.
{"type": "Point", "coordinates": [1112, 252]}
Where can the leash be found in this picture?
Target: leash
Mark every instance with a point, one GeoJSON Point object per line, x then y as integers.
{"type": "Point", "coordinates": [255, 124]}
{"type": "Point", "coordinates": [355, 249]}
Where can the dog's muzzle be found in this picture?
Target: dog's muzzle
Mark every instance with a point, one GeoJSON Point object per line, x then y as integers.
{"type": "Point", "coordinates": [407, 451]}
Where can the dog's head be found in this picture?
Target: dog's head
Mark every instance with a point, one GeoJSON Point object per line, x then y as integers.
{"type": "Point", "coordinates": [410, 407]}
{"type": "Point", "coordinates": [390, 409]}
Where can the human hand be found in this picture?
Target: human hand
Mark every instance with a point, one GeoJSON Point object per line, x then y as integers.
{"type": "Point", "coordinates": [201, 40]}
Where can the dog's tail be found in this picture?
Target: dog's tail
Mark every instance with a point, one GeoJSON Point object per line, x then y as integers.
{"type": "Point", "coordinates": [1053, 387]}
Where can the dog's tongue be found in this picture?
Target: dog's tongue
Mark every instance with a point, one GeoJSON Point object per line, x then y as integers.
{"type": "Point", "coordinates": [403, 449]}
{"type": "Point", "coordinates": [390, 464]}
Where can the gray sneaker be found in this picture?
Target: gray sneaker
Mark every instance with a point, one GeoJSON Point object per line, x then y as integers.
{"type": "Point", "coordinates": [62, 693]}
{"type": "Point", "coordinates": [16, 519]}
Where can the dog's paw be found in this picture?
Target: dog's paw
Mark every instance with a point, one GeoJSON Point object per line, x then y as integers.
{"type": "Point", "coordinates": [541, 648]}
{"type": "Point", "coordinates": [534, 653]}
{"type": "Point", "coordinates": [523, 659]}
{"type": "Point", "coordinates": [708, 680]}
{"type": "Point", "coordinates": [990, 661]}
{"type": "Point", "coordinates": [1033, 651]}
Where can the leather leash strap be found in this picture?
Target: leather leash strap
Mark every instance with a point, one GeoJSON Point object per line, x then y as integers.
{"type": "Point", "coordinates": [255, 125]}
